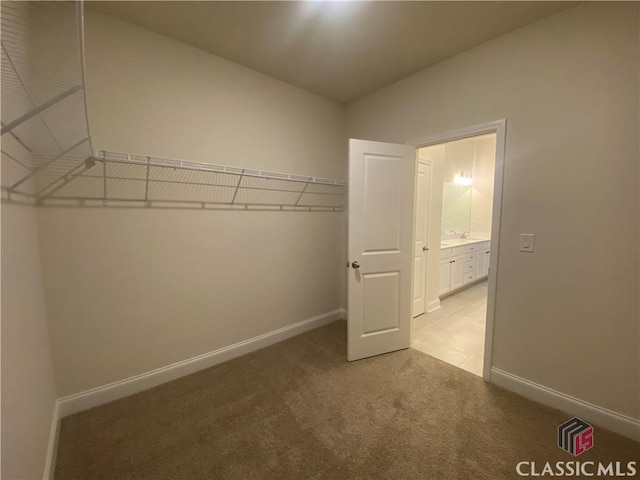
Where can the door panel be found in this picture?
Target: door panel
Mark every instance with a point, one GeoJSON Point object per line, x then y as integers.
{"type": "Point", "coordinates": [418, 285]}
{"type": "Point", "coordinates": [381, 202]}
{"type": "Point", "coordinates": [381, 300]}
{"type": "Point", "coordinates": [380, 236]}
{"type": "Point", "coordinates": [421, 237]}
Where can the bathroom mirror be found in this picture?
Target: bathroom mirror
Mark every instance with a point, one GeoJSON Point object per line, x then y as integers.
{"type": "Point", "coordinates": [456, 209]}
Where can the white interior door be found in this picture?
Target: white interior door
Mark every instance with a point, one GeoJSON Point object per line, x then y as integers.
{"type": "Point", "coordinates": [421, 239]}
{"type": "Point", "coordinates": [381, 187]}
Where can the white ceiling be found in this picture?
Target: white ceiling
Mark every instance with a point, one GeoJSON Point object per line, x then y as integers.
{"type": "Point", "coordinates": [340, 50]}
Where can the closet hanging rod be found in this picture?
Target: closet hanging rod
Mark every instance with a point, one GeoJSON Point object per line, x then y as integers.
{"type": "Point", "coordinates": [202, 184]}
{"type": "Point", "coordinates": [75, 202]}
{"type": "Point", "coordinates": [142, 160]}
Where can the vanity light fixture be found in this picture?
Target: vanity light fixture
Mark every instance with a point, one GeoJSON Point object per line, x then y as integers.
{"type": "Point", "coordinates": [463, 179]}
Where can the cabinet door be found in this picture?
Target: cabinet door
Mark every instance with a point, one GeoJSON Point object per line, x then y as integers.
{"type": "Point", "coordinates": [487, 257]}
{"type": "Point", "coordinates": [483, 264]}
{"type": "Point", "coordinates": [445, 276]}
{"type": "Point", "coordinates": [457, 272]}
{"type": "Point", "coordinates": [480, 269]}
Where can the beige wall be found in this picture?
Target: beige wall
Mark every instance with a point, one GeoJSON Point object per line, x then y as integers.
{"type": "Point", "coordinates": [567, 315]}
{"type": "Point", "coordinates": [484, 161]}
{"type": "Point", "coordinates": [458, 158]}
{"type": "Point", "coordinates": [476, 156]}
{"type": "Point", "coordinates": [133, 290]}
{"type": "Point", "coordinates": [153, 95]}
{"type": "Point", "coordinates": [456, 209]}
{"type": "Point", "coordinates": [28, 389]}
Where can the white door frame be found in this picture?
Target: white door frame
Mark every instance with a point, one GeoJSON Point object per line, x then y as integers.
{"type": "Point", "coordinates": [498, 127]}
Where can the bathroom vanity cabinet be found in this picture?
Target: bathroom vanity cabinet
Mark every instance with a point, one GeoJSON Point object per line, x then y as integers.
{"type": "Point", "coordinates": [463, 263]}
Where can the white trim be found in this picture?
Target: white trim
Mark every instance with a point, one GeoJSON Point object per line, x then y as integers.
{"type": "Point", "coordinates": [498, 127]}
{"type": "Point", "coordinates": [616, 422]}
{"type": "Point", "coordinates": [433, 305]}
{"type": "Point", "coordinates": [52, 447]}
{"type": "Point", "coordinates": [128, 386]}
{"type": "Point", "coordinates": [457, 134]}
{"type": "Point", "coordinates": [343, 313]}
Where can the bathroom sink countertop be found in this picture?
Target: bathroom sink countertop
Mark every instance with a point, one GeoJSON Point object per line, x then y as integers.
{"type": "Point", "coordinates": [456, 242]}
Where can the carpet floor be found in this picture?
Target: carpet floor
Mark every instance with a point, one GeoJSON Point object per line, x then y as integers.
{"type": "Point", "coordinates": [299, 410]}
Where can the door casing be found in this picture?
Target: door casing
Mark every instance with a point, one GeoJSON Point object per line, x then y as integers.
{"type": "Point", "coordinates": [499, 127]}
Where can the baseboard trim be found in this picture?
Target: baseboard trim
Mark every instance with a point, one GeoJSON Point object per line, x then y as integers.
{"type": "Point", "coordinates": [52, 447]}
{"type": "Point", "coordinates": [123, 388]}
{"type": "Point", "coordinates": [343, 313]}
{"type": "Point", "coordinates": [616, 422]}
{"type": "Point", "coordinates": [433, 305]}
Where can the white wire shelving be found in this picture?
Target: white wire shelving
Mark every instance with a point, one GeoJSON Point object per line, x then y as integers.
{"type": "Point", "coordinates": [44, 111]}
{"type": "Point", "coordinates": [126, 180]}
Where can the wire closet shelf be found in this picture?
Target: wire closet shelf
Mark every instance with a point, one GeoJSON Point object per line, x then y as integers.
{"type": "Point", "coordinates": [48, 158]}
{"type": "Point", "coordinates": [122, 179]}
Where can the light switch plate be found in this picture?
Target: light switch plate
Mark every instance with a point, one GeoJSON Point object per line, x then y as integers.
{"type": "Point", "coordinates": [526, 242]}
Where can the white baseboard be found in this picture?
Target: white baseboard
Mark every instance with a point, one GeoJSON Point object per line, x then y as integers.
{"type": "Point", "coordinates": [433, 305]}
{"type": "Point", "coordinates": [343, 313]}
{"type": "Point", "coordinates": [616, 422]}
{"type": "Point", "coordinates": [123, 388]}
{"type": "Point", "coordinates": [52, 448]}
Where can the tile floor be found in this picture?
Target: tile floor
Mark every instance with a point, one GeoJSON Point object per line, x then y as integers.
{"type": "Point", "coordinates": [455, 332]}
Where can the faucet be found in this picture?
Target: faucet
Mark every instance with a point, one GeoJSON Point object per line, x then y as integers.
{"type": "Point", "coordinates": [465, 235]}
{"type": "Point", "coordinates": [453, 231]}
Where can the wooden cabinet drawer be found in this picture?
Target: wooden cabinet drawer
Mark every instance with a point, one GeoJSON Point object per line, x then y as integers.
{"type": "Point", "coordinates": [469, 277]}
{"type": "Point", "coordinates": [474, 247]}
{"type": "Point", "coordinates": [445, 253]}
{"type": "Point", "coordinates": [470, 257]}
{"type": "Point", "coordinates": [457, 251]}
{"type": "Point", "coordinates": [469, 267]}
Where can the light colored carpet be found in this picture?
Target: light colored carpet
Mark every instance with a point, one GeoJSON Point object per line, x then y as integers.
{"type": "Point", "coordinates": [299, 410]}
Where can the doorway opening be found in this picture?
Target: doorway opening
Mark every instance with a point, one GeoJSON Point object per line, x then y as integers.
{"type": "Point", "coordinates": [455, 234]}
{"type": "Point", "coordinates": [382, 248]}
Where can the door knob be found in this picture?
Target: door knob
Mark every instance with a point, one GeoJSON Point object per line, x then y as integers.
{"type": "Point", "coordinates": [355, 264]}
{"type": "Point", "coordinates": [425, 248]}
